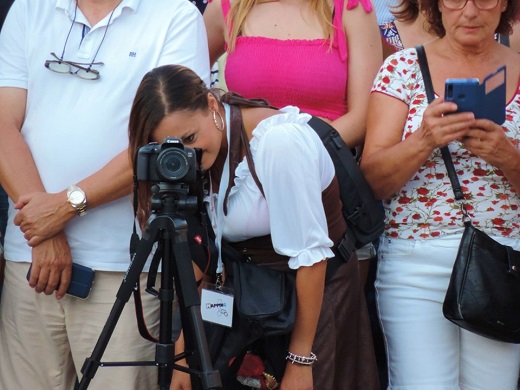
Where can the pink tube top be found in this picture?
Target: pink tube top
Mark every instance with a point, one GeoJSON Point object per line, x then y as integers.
{"type": "Point", "coordinates": [308, 74]}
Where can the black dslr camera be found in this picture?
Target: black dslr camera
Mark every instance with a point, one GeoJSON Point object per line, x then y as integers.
{"type": "Point", "coordinates": [170, 162]}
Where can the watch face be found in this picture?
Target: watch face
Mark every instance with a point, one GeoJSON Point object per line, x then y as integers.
{"type": "Point", "coordinates": [76, 197]}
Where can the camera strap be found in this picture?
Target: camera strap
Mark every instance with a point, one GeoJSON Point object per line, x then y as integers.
{"type": "Point", "coordinates": [134, 242]}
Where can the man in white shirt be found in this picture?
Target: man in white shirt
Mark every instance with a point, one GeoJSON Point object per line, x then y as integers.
{"type": "Point", "coordinates": [68, 75]}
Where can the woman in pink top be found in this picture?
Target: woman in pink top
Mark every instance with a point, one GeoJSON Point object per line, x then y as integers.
{"type": "Point", "coordinates": [290, 54]}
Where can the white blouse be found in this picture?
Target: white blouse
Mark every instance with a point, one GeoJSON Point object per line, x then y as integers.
{"type": "Point", "coordinates": [294, 168]}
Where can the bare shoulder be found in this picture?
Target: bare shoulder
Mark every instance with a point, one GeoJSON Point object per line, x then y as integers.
{"type": "Point", "coordinates": [213, 8]}
{"type": "Point", "coordinates": [252, 116]}
{"type": "Point", "coordinates": [359, 19]}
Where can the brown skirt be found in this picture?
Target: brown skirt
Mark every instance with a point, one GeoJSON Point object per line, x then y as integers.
{"type": "Point", "coordinates": [343, 342]}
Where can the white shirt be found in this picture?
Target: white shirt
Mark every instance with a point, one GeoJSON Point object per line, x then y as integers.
{"type": "Point", "coordinates": [294, 168]}
{"type": "Point", "coordinates": [74, 127]}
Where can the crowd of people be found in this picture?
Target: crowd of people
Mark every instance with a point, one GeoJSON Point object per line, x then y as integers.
{"type": "Point", "coordinates": [85, 84]}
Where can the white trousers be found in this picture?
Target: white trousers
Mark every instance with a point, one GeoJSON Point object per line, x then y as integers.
{"type": "Point", "coordinates": [426, 351]}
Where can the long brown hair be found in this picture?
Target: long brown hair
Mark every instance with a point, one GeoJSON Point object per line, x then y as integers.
{"type": "Point", "coordinates": [163, 90]}
{"type": "Point", "coordinates": [241, 8]}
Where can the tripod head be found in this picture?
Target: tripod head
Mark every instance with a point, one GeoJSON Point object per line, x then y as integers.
{"type": "Point", "coordinates": [172, 198]}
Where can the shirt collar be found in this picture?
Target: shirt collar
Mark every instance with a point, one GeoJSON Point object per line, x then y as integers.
{"type": "Point", "coordinates": [68, 6]}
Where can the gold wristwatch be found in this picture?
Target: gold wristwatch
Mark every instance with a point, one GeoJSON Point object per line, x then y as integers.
{"type": "Point", "coordinates": [77, 199]}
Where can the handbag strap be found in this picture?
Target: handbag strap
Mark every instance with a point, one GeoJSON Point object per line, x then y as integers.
{"type": "Point", "coordinates": [237, 137]}
{"type": "Point", "coordinates": [445, 151]}
{"type": "Point", "coordinates": [425, 70]}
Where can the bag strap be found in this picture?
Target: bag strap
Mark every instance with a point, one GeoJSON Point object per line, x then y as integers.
{"type": "Point", "coordinates": [425, 70]}
{"type": "Point", "coordinates": [347, 245]}
{"type": "Point", "coordinates": [234, 99]}
{"type": "Point", "coordinates": [238, 136]}
{"type": "Point", "coordinates": [445, 151]}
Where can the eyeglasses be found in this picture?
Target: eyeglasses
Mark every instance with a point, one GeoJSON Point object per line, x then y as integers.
{"type": "Point", "coordinates": [482, 5]}
{"type": "Point", "coordinates": [59, 65]}
{"type": "Point", "coordinates": [82, 70]}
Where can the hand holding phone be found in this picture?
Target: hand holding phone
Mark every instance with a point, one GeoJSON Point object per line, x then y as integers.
{"type": "Point", "coordinates": [485, 101]}
{"type": "Point", "coordinates": [81, 280]}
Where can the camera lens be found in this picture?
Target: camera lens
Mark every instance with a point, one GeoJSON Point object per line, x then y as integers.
{"type": "Point", "coordinates": [172, 164]}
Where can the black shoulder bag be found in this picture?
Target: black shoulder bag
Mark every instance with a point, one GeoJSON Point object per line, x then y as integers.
{"type": "Point", "coordinates": [484, 289]}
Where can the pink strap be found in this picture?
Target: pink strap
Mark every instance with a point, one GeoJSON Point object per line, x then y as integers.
{"type": "Point", "coordinates": [339, 34]}
{"type": "Point", "coordinates": [367, 4]}
{"type": "Point", "coordinates": [338, 23]}
{"type": "Point", "coordinates": [226, 6]}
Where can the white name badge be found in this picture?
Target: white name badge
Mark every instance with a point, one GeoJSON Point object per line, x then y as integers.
{"type": "Point", "coordinates": [216, 305]}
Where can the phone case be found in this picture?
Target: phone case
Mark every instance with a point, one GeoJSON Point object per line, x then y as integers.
{"type": "Point", "coordinates": [487, 100]}
{"type": "Point", "coordinates": [81, 280]}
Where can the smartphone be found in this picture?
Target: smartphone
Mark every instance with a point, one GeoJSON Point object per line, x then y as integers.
{"type": "Point", "coordinates": [464, 92]}
{"type": "Point", "coordinates": [487, 100]}
{"type": "Point", "coordinates": [81, 280]}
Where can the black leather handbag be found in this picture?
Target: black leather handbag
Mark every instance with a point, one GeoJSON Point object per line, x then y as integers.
{"type": "Point", "coordinates": [264, 309]}
{"type": "Point", "coordinates": [483, 295]}
{"type": "Point", "coordinates": [265, 297]}
{"type": "Point", "coordinates": [484, 291]}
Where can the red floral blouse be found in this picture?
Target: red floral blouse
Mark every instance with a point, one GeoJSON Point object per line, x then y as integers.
{"type": "Point", "coordinates": [425, 207]}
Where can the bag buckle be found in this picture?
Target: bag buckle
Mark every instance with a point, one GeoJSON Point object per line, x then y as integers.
{"type": "Point", "coordinates": [346, 247]}
{"type": "Point", "coordinates": [355, 216]}
{"type": "Point", "coordinates": [513, 261]}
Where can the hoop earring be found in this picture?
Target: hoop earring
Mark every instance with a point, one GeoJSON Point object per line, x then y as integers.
{"type": "Point", "coordinates": [222, 124]}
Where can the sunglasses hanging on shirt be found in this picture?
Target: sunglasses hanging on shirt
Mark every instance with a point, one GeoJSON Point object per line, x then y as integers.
{"type": "Point", "coordinates": [79, 69]}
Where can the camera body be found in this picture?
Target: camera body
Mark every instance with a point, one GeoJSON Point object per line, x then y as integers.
{"type": "Point", "coordinates": [169, 161]}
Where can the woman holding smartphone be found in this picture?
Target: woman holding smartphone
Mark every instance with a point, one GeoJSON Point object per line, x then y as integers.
{"type": "Point", "coordinates": [403, 164]}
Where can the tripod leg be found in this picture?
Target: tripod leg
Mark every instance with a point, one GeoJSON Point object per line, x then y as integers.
{"type": "Point", "coordinates": [189, 303]}
{"type": "Point", "coordinates": [174, 231]}
{"type": "Point", "coordinates": [165, 350]}
{"type": "Point", "coordinates": [123, 295]}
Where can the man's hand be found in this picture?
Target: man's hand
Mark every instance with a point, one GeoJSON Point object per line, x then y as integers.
{"type": "Point", "coordinates": [42, 215]}
{"type": "Point", "coordinates": [51, 266]}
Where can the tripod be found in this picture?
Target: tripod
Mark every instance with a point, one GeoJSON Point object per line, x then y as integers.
{"type": "Point", "coordinates": [168, 228]}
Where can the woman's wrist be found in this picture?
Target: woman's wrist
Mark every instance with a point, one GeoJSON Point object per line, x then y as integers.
{"type": "Point", "coordinates": [301, 359]}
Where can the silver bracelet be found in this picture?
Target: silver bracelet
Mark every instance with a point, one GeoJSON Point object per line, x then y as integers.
{"type": "Point", "coordinates": [303, 360]}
